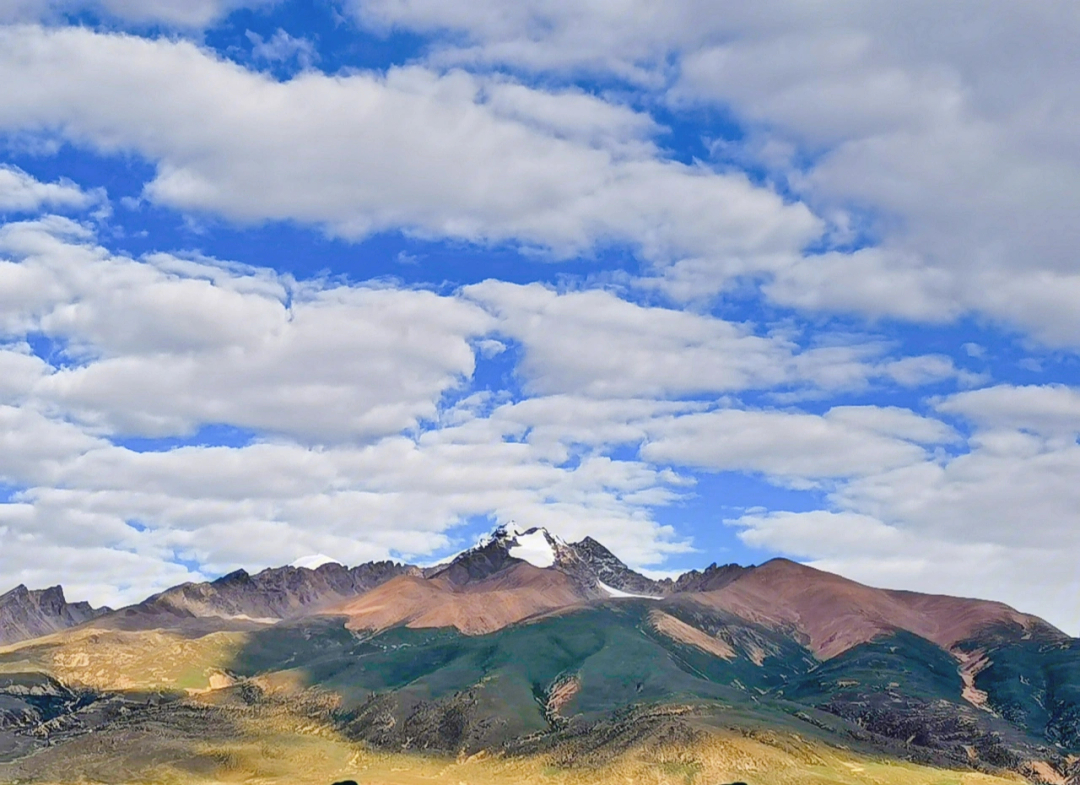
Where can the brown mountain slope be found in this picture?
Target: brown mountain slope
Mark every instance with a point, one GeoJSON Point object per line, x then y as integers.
{"type": "Point", "coordinates": [514, 594]}
{"type": "Point", "coordinates": [834, 614]}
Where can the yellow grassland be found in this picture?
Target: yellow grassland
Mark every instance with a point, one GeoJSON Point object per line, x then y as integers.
{"type": "Point", "coordinates": [285, 749]}
{"type": "Point", "coordinates": [120, 660]}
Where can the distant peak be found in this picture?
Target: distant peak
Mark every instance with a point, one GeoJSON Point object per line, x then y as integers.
{"type": "Point", "coordinates": [49, 594]}
{"type": "Point", "coordinates": [54, 592]}
{"type": "Point", "coordinates": [782, 566]}
{"type": "Point", "coordinates": [27, 613]}
{"type": "Point", "coordinates": [18, 591]}
{"type": "Point", "coordinates": [596, 548]}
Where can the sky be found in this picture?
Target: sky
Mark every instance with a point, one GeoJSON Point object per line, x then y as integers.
{"type": "Point", "coordinates": [707, 281]}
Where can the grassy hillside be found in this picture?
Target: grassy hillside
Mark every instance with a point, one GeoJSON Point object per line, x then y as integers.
{"type": "Point", "coordinates": [688, 696]}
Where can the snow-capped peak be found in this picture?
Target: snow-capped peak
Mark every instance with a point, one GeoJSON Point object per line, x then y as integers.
{"type": "Point", "coordinates": [314, 561]}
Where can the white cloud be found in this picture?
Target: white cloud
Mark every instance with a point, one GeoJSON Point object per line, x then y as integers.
{"type": "Point", "coordinates": [163, 346]}
{"type": "Point", "coordinates": [871, 280]}
{"type": "Point", "coordinates": [628, 37]}
{"type": "Point", "coordinates": [595, 343]}
{"type": "Point", "coordinates": [22, 193]}
{"type": "Point", "coordinates": [944, 133]}
{"type": "Point", "coordinates": [798, 448]}
{"type": "Point", "coordinates": [442, 155]}
{"type": "Point", "coordinates": [1052, 409]}
{"type": "Point", "coordinates": [282, 47]}
{"type": "Point", "coordinates": [920, 116]}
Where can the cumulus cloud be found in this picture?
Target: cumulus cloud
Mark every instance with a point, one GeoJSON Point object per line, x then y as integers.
{"type": "Point", "coordinates": [944, 134]}
{"type": "Point", "coordinates": [282, 47]}
{"type": "Point", "coordinates": [163, 346]}
{"type": "Point", "coordinates": [634, 350]}
{"type": "Point", "coordinates": [1052, 409]}
{"type": "Point", "coordinates": [796, 447]}
{"type": "Point", "coordinates": [22, 193]}
{"type": "Point", "coordinates": [437, 154]}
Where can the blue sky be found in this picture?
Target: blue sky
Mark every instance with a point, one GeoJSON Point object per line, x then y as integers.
{"type": "Point", "coordinates": [364, 278]}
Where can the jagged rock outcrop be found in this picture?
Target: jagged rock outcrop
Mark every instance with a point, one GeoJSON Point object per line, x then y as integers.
{"type": "Point", "coordinates": [592, 560]}
{"type": "Point", "coordinates": [491, 555]}
{"type": "Point", "coordinates": [26, 613]}
{"type": "Point", "coordinates": [712, 578]}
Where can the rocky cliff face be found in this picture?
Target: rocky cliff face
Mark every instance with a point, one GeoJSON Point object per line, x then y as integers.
{"type": "Point", "coordinates": [600, 566]}
{"type": "Point", "coordinates": [28, 614]}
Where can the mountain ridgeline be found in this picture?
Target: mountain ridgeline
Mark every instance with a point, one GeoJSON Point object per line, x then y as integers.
{"type": "Point", "coordinates": [526, 644]}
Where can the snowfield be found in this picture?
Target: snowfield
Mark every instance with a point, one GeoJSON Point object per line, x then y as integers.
{"type": "Point", "coordinates": [533, 548]}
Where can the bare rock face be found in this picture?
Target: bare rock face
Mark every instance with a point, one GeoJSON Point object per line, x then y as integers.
{"type": "Point", "coordinates": [490, 556]}
{"type": "Point", "coordinates": [597, 565]}
{"type": "Point", "coordinates": [26, 614]}
{"type": "Point", "coordinates": [712, 578]}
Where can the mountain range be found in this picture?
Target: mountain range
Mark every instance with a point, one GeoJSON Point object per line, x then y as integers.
{"type": "Point", "coordinates": [525, 646]}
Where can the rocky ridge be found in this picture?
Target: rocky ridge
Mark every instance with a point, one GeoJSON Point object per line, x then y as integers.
{"type": "Point", "coordinates": [26, 613]}
{"type": "Point", "coordinates": [268, 596]}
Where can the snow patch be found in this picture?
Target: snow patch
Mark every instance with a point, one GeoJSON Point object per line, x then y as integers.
{"type": "Point", "coordinates": [533, 547]}
{"type": "Point", "coordinates": [314, 561]}
{"type": "Point", "coordinates": [618, 593]}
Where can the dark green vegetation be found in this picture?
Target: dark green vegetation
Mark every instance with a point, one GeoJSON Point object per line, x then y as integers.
{"type": "Point", "coordinates": [577, 672]}
{"type": "Point", "coordinates": [1034, 684]}
{"type": "Point", "coordinates": [612, 652]}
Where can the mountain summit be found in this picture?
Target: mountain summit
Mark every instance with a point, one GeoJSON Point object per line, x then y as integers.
{"type": "Point", "coordinates": [596, 571]}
